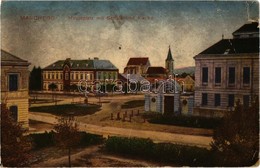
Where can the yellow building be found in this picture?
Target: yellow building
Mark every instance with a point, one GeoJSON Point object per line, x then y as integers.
{"type": "Point", "coordinates": [14, 86]}
{"type": "Point", "coordinates": [187, 83]}
{"type": "Point", "coordinates": [65, 73]}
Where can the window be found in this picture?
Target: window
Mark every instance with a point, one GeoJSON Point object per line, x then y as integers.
{"type": "Point", "coordinates": [231, 75]}
{"type": "Point", "coordinates": [246, 75]}
{"type": "Point", "coordinates": [204, 98]}
{"type": "Point", "coordinates": [217, 99]}
{"type": "Point", "coordinates": [205, 75]}
{"type": "Point", "coordinates": [61, 76]}
{"type": "Point", "coordinates": [231, 100]}
{"type": "Point", "coordinates": [13, 82]}
{"type": "Point", "coordinates": [57, 76]}
{"type": "Point", "coordinates": [246, 100]}
{"type": "Point", "coordinates": [217, 75]}
{"type": "Point", "coordinates": [66, 76]}
{"type": "Point", "coordinates": [14, 112]}
{"type": "Point", "coordinates": [81, 76]}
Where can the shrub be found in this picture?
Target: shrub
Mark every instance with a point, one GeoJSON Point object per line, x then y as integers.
{"type": "Point", "coordinates": [162, 152]}
{"type": "Point", "coordinates": [41, 140]}
{"type": "Point", "coordinates": [133, 104]}
{"type": "Point", "coordinates": [187, 121]}
{"type": "Point", "coordinates": [90, 139]}
{"type": "Point", "coordinates": [129, 146]}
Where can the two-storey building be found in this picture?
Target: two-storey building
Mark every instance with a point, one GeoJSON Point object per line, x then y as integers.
{"type": "Point", "coordinates": [14, 86]}
{"type": "Point", "coordinates": [65, 73]}
{"type": "Point", "coordinates": [226, 72]}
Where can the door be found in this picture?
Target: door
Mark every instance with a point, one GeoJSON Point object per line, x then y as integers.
{"type": "Point", "coordinates": [168, 105]}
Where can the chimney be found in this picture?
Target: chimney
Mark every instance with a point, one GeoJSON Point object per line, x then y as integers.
{"type": "Point", "coordinates": [95, 58]}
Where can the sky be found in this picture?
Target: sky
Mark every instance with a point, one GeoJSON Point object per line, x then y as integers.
{"type": "Point", "coordinates": [43, 32]}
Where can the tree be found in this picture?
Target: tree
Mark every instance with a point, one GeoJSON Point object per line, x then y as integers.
{"type": "Point", "coordinates": [35, 80]}
{"type": "Point", "coordinates": [67, 134]}
{"type": "Point", "coordinates": [184, 74]}
{"type": "Point", "coordinates": [52, 86]}
{"type": "Point", "coordinates": [236, 141]}
{"type": "Point", "coordinates": [15, 146]}
{"type": "Point", "coordinates": [73, 87]}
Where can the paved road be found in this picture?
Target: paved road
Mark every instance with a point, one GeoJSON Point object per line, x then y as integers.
{"type": "Point", "coordinates": [156, 136]}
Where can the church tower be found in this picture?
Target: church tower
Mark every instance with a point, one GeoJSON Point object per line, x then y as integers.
{"type": "Point", "coordinates": [169, 63]}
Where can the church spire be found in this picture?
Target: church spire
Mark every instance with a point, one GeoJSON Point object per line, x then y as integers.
{"type": "Point", "coordinates": [169, 63]}
{"type": "Point", "coordinates": [169, 56]}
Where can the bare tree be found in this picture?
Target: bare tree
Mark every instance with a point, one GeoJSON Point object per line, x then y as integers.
{"type": "Point", "coordinates": [67, 134]}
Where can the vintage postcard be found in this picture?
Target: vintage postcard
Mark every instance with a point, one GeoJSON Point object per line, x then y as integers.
{"type": "Point", "coordinates": [129, 83]}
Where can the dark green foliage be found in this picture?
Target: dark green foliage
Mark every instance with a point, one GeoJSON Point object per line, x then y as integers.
{"type": "Point", "coordinates": [15, 146]}
{"type": "Point", "coordinates": [183, 155]}
{"type": "Point", "coordinates": [161, 152]}
{"type": "Point", "coordinates": [90, 139]}
{"type": "Point", "coordinates": [107, 88]}
{"type": "Point", "coordinates": [35, 79]}
{"type": "Point", "coordinates": [46, 139]}
{"type": "Point", "coordinates": [130, 146]}
{"type": "Point", "coordinates": [42, 140]}
{"type": "Point", "coordinates": [186, 121]}
{"type": "Point", "coordinates": [74, 87]}
{"type": "Point", "coordinates": [67, 109]}
{"type": "Point", "coordinates": [52, 86]}
{"type": "Point", "coordinates": [133, 104]}
{"type": "Point", "coordinates": [236, 141]}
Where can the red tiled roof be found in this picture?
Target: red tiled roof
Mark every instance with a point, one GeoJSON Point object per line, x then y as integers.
{"type": "Point", "coordinates": [138, 61]}
{"type": "Point", "coordinates": [156, 70]}
{"type": "Point", "coordinates": [153, 79]}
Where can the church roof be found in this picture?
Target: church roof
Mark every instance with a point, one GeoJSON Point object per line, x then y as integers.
{"type": "Point", "coordinates": [138, 61]}
{"type": "Point", "coordinates": [156, 70]}
{"type": "Point", "coordinates": [169, 56]}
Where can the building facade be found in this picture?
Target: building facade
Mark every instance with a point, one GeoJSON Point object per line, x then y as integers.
{"type": "Point", "coordinates": [14, 86]}
{"type": "Point", "coordinates": [227, 72]}
{"type": "Point", "coordinates": [137, 65]}
{"type": "Point", "coordinates": [187, 83]}
{"type": "Point", "coordinates": [65, 73]}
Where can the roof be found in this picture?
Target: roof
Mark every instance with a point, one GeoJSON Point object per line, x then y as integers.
{"type": "Point", "coordinates": [82, 64]}
{"type": "Point", "coordinates": [169, 56]}
{"type": "Point", "coordinates": [138, 61]}
{"type": "Point", "coordinates": [246, 28]}
{"type": "Point", "coordinates": [233, 46]}
{"type": "Point", "coordinates": [152, 79]}
{"type": "Point", "coordinates": [156, 70]}
{"type": "Point", "coordinates": [10, 59]}
{"type": "Point", "coordinates": [103, 64]}
{"type": "Point", "coordinates": [136, 77]}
